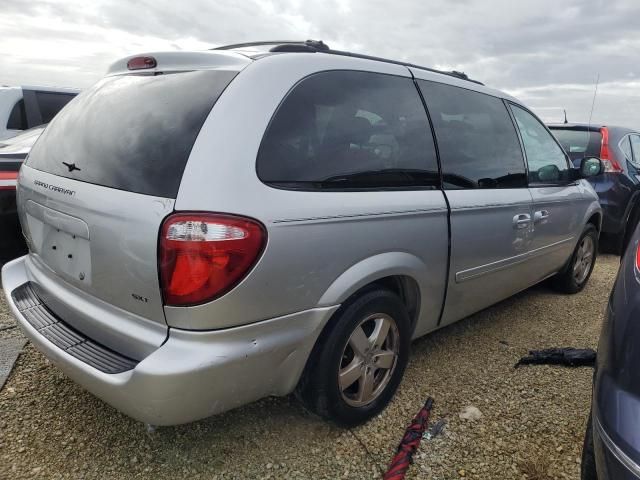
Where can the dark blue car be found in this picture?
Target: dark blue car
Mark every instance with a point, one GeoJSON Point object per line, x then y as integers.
{"type": "Point", "coordinates": [612, 442]}
{"type": "Point", "coordinates": [619, 186]}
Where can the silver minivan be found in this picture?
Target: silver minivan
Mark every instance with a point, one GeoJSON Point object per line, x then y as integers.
{"type": "Point", "coordinates": [209, 228]}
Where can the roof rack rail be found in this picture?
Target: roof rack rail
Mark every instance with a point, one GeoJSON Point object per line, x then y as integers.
{"type": "Point", "coordinates": [258, 44]}
{"type": "Point", "coordinates": [453, 73]}
{"type": "Point", "coordinates": [319, 46]}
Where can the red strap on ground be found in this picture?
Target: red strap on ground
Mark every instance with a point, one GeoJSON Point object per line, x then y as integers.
{"type": "Point", "coordinates": [409, 443]}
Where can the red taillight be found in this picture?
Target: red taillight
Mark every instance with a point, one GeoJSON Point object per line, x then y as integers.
{"type": "Point", "coordinates": [638, 257]}
{"type": "Point", "coordinates": [139, 63]}
{"type": "Point", "coordinates": [610, 164]}
{"type": "Point", "coordinates": [203, 256]}
{"type": "Point", "coordinates": [8, 180]}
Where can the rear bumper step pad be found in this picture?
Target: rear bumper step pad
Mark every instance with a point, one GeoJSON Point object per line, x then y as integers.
{"type": "Point", "coordinates": [65, 337]}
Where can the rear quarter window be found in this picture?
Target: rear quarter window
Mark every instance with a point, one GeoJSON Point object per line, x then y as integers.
{"type": "Point", "coordinates": [349, 130]}
{"type": "Point", "coordinates": [131, 132]}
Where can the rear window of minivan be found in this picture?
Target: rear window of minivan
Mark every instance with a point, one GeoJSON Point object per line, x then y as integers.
{"type": "Point", "coordinates": [131, 132]}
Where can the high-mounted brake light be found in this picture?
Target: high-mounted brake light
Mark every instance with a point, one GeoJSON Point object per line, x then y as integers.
{"type": "Point", "coordinates": [203, 256]}
{"type": "Point", "coordinates": [8, 180]}
{"type": "Point", "coordinates": [139, 63]}
{"type": "Point", "coordinates": [610, 164]}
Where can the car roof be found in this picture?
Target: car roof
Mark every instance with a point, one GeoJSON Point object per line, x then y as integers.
{"type": "Point", "coordinates": [238, 56]}
{"type": "Point", "coordinates": [260, 49]}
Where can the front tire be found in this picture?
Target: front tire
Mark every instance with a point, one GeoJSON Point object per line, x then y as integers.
{"type": "Point", "coordinates": [360, 359]}
{"type": "Point", "coordinates": [575, 275]}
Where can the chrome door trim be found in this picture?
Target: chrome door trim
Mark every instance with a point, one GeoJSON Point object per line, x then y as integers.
{"type": "Point", "coordinates": [475, 272]}
{"type": "Point", "coordinates": [416, 211]}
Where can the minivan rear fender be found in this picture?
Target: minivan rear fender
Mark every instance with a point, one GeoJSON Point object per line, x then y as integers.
{"type": "Point", "coordinates": [378, 267]}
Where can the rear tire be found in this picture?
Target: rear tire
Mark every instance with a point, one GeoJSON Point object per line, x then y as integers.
{"type": "Point", "coordinates": [588, 463]}
{"type": "Point", "coordinates": [360, 359]}
{"type": "Point", "coordinates": [575, 275]}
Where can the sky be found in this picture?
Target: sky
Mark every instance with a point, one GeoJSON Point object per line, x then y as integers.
{"type": "Point", "coordinates": [547, 53]}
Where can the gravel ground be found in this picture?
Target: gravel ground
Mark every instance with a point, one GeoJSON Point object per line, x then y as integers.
{"type": "Point", "coordinates": [531, 427]}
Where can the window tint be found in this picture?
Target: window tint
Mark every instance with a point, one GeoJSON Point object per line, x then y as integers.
{"type": "Point", "coordinates": [478, 144]}
{"type": "Point", "coordinates": [579, 143]}
{"type": "Point", "coordinates": [635, 145]}
{"type": "Point", "coordinates": [17, 117]}
{"type": "Point", "coordinates": [546, 159]}
{"type": "Point", "coordinates": [625, 145]}
{"type": "Point", "coordinates": [346, 130]}
{"type": "Point", "coordinates": [51, 103]}
{"type": "Point", "coordinates": [131, 132]}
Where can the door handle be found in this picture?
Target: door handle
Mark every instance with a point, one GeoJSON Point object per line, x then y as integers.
{"type": "Point", "coordinates": [521, 221]}
{"type": "Point", "coordinates": [541, 216]}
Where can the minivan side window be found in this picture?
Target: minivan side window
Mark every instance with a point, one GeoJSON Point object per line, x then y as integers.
{"type": "Point", "coordinates": [546, 159]}
{"type": "Point", "coordinates": [349, 130]}
{"type": "Point", "coordinates": [17, 117]}
{"type": "Point", "coordinates": [477, 141]}
{"type": "Point", "coordinates": [50, 103]}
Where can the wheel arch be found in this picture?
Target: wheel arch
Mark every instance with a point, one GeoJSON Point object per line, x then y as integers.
{"type": "Point", "coordinates": [596, 220]}
{"type": "Point", "coordinates": [395, 271]}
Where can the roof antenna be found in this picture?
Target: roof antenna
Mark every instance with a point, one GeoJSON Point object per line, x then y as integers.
{"type": "Point", "coordinates": [565, 117]}
{"type": "Point", "coordinates": [595, 92]}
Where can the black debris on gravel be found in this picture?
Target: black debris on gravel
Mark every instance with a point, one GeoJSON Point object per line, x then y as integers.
{"type": "Point", "coordinates": [566, 357]}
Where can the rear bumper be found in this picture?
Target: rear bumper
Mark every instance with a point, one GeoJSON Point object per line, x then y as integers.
{"type": "Point", "coordinates": [193, 374]}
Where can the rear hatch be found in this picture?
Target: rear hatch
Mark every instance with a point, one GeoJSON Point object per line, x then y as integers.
{"type": "Point", "coordinates": [100, 180]}
{"type": "Point", "coordinates": [579, 141]}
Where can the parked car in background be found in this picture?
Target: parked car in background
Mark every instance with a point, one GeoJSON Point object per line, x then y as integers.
{"type": "Point", "coordinates": [22, 108]}
{"type": "Point", "coordinates": [619, 186]}
{"type": "Point", "coordinates": [221, 242]}
{"type": "Point", "coordinates": [612, 444]}
{"type": "Point", "coordinates": [13, 151]}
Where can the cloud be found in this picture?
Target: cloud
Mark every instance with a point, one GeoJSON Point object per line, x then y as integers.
{"type": "Point", "coordinates": [546, 52]}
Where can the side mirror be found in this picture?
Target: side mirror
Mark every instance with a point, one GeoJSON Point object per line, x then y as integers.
{"type": "Point", "coordinates": [590, 167]}
{"type": "Point", "coordinates": [549, 174]}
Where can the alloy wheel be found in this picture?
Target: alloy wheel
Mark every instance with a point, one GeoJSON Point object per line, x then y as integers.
{"type": "Point", "coordinates": [369, 359]}
{"type": "Point", "coordinates": [584, 259]}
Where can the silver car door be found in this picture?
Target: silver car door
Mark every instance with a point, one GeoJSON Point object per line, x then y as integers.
{"type": "Point", "coordinates": [485, 183]}
{"type": "Point", "coordinates": [559, 204]}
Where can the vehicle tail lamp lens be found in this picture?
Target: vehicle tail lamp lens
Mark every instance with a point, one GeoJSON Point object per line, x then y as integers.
{"type": "Point", "coordinates": [610, 164]}
{"type": "Point", "coordinates": [638, 257]}
{"type": "Point", "coordinates": [140, 63]}
{"type": "Point", "coordinates": [8, 180]}
{"type": "Point", "coordinates": [203, 256]}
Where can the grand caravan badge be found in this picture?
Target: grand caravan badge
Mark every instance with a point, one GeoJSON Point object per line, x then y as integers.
{"type": "Point", "coordinates": [54, 188]}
